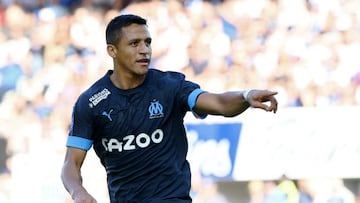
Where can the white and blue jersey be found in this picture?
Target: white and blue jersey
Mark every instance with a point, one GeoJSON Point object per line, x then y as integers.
{"type": "Point", "coordinates": [139, 135]}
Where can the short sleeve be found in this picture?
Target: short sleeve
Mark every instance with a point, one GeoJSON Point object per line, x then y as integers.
{"type": "Point", "coordinates": [80, 134]}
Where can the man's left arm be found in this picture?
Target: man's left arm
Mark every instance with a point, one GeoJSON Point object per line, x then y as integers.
{"type": "Point", "coordinates": [230, 104]}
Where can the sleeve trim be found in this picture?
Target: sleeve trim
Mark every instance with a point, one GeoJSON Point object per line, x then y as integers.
{"type": "Point", "coordinates": [79, 142]}
{"type": "Point", "coordinates": [192, 101]}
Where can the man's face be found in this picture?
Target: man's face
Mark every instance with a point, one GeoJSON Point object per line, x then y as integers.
{"type": "Point", "coordinates": [133, 51]}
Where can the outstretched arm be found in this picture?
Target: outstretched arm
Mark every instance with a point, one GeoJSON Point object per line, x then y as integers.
{"type": "Point", "coordinates": [71, 176]}
{"type": "Point", "coordinates": [230, 104]}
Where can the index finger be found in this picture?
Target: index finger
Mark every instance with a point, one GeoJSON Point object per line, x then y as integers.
{"type": "Point", "coordinates": [273, 104]}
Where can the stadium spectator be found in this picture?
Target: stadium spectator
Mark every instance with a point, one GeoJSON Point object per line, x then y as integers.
{"type": "Point", "coordinates": [272, 193]}
{"type": "Point", "coordinates": [256, 191]}
{"type": "Point", "coordinates": [306, 193]}
{"type": "Point", "coordinates": [289, 188]}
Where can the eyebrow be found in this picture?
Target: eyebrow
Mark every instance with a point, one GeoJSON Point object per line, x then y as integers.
{"type": "Point", "coordinates": [140, 39]}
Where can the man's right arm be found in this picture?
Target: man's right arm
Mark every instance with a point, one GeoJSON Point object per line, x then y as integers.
{"type": "Point", "coordinates": [71, 175]}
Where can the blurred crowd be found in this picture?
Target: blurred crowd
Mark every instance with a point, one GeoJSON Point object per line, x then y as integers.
{"type": "Point", "coordinates": [300, 191]}
{"type": "Point", "coordinates": [51, 50]}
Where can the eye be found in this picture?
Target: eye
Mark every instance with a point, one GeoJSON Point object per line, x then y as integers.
{"type": "Point", "coordinates": [134, 44]}
{"type": "Point", "coordinates": [148, 42]}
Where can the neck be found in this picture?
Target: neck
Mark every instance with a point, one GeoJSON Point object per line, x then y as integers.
{"type": "Point", "coordinates": [126, 81]}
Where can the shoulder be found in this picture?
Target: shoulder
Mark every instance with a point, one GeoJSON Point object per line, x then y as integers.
{"type": "Point", "coordinates": [166, 80]}
{"type": "Point", "coordinates": [98, 91]}
{"type": "Point", "coordinates": [166, 75]}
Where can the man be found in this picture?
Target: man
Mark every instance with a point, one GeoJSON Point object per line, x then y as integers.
{"type": "Point", "coordinates": [133, 118]}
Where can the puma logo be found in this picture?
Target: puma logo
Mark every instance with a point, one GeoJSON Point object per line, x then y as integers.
{"type": "Point", "coordinates": [104, 113]}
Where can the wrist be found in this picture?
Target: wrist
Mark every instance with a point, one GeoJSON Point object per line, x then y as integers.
{"type": "Point", "coordinates": [245, 94]}
{"type": "Point", "coordinates": [76, 192]}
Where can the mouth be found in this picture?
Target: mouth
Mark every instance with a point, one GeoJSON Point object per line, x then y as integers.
{"type": "Point", "coordinates": [143, 61]}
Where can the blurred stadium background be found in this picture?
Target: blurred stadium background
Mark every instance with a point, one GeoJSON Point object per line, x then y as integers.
{"type": "Point", "coordinates": [307, 50]}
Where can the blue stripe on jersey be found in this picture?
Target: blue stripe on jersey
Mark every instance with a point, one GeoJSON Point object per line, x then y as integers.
{"type": "Point", "coordinates": [192, 101]}
{"type": "Point", "coordinates": [79, 142]}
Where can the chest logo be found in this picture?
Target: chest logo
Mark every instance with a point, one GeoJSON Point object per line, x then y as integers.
{"type": "Point", "coordinates": [155, 110]}
{"type": "Point", "coordinates": [107, 114]}
{"type": "Point", "coordinates": [98, 97]}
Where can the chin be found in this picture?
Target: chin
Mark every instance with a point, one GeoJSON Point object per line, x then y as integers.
{"type": "Point", "coordinates": [142, 71]}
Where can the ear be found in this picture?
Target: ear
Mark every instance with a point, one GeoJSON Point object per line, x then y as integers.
{"type": "Point", "coordinates": [111, 50]}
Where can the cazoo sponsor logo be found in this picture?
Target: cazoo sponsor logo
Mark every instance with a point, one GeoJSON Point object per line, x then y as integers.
{"type": "Point", "coordinates": [132, 142]}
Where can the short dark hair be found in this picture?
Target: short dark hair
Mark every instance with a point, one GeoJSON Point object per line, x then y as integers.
{"type": "Point", "coordinates": [113, 29]}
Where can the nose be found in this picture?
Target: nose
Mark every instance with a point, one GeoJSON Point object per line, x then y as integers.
{"type": "Point", "coordinates": [144, 48]}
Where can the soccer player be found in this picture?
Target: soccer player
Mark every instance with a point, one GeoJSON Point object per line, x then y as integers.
{"type": "Point", "coordinates": [133, 118]}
